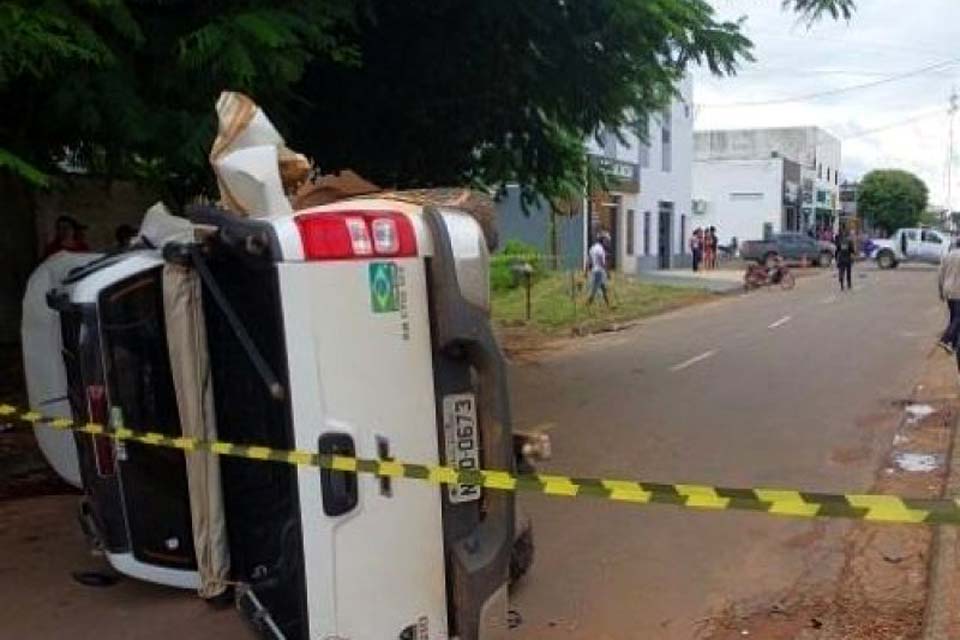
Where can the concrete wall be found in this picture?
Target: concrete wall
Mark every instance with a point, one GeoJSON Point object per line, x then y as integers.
{"type": "Point", "coordinates": [19, 255]}
{"type": "Point", "coordinates": [28, 226]}
{"type": "Point", "coordinates": [102, 205]}
{"type": "Point", "coordinates": [534, 228]}
{"type": "Point", "coordinates": [740, 195]}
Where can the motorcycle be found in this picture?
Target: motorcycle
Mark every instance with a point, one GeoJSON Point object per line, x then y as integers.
{"type": "Point", "coordinates": [758, 275]}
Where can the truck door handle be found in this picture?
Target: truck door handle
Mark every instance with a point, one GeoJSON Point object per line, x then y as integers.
{"type": "Point", "coordinates": [383, 452]}
{"type": "Point", "coordinates": [338, 488]}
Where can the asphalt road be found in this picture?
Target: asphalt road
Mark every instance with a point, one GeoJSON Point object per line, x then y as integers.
{"type": "Point", "coordinates": [772, 389]}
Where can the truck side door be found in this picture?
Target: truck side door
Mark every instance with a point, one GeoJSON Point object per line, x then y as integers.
{"type": "Point", "coordinates": [910, 243]}
{"type": "Point", "coordinates": [787, 246]}
{"type": "Point", "coordinates": [931, 246]}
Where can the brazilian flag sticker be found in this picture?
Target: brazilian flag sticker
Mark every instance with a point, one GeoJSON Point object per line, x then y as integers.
{"type": "Point", "coordinates": [383, 287]}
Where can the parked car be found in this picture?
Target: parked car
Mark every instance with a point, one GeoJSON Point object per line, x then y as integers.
{"type": "Point", "coordinates": [911, 245]}
{"type": "Point", "coordinates": [792, 247]}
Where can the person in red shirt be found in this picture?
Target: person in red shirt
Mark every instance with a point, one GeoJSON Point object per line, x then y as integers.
{"type": "Point", "coordinates": [68, 236]}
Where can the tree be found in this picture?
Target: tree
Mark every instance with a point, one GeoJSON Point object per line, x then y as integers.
{"type": "Point", "coordinates": [126, 87]}
{"type": "Point", "coordinates": [421, 92]}
{"type": "Point", "coordinates": [892, 198]}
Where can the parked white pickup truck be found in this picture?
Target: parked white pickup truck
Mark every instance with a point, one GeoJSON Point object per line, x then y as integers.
{"type": "Point", "coordinates": [911, 245]}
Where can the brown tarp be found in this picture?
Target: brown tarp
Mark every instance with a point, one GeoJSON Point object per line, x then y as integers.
{"type": "Point", "coordinates": [190, 364]}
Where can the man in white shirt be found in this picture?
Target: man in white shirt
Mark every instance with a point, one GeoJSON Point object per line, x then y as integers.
{"type": "Point", "coordinates": [598, 268]}
{"type": "Point", "coordinates": [949, 283]}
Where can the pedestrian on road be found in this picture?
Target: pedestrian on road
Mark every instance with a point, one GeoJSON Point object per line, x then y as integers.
{"type": "Point", "coordinates": [845, 254]}
{"type": "Point", "coordinates": [696, 248]}
{"type": "Point", "coordinates": [598, 268]}
{"type": "Point", "coordinates": [949, 282]}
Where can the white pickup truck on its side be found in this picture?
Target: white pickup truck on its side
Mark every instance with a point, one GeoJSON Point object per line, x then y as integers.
{"type": "Point", "coordinates": [911, 245]}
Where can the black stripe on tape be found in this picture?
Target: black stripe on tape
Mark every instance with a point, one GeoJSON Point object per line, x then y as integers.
{"type": "Point", "coordinates": [530, 482]}
{"type": "Point", "coordinates": [368, 466]}
{"type": "Point", "coordinates": [417, 471]}
{"type": "Point", "coordinates": [658, 489]}
{"type": "Point", "coordinates": [812, 497]}
{"type": "Point", "coordinates": [591, 487]}
{"type": "Point", "coordinates": [739, 496]}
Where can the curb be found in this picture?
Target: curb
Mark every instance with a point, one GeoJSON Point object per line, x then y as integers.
{"type": "Point", "coordinates": [943, 583]}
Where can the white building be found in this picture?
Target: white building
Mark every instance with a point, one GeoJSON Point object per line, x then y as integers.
{"type": "Point", "coordinates": [648, 210]}
{"type": "Point", "coordinates": [746, 199]}
{"type": "Point", "coordinates": [745, 158]}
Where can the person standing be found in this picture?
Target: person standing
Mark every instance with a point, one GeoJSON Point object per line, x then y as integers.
{"type": "Point", "coordinates": [949, 284]}
{"type": "Point", "coordinates": [598, 269]}
{"type": "Point", "coordinates": [844, 257]}
{"type": "Point", "coordinates": [705, 248]}
{"type": "Point", "coordinates": [696, 248]}
{"type": "Point", "coordinates": [714, 246]}
{"type": "Point", "coordinates": [68, 236]}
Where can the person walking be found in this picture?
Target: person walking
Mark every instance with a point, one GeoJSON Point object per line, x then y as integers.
{"type": "Point", "coordinates": [949, 285]}
{"type": "Point", "coordinates": [844, 257]}
{"type": "Point", "coordinates": [696, 248]}
{"type": "Point", "coordinates": [598, 269]}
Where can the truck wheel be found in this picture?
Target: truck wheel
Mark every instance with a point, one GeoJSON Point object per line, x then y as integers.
{"type": "Point", "coordinates": [886, 260]}
{"type": "Point", "coordinates": [521, 558]}
{"type": "Point", "coordinates": [770, 260]}
{"type": "Point", "coordinates": [826, 259]}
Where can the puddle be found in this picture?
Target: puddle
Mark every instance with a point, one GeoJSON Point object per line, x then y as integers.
{"type": "Point", "coordinates": [918, 462]}
{"type": "Point", "coordinates": [917, 412]}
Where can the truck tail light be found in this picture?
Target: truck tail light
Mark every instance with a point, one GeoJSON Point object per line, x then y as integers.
{"type": "Point", "coordinates": [346, 235]}
{"type": "Point", "coordinates": [102, 445]}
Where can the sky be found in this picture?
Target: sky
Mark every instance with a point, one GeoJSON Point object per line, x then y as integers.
{"type": "Point", "coordinates": [883, 39]}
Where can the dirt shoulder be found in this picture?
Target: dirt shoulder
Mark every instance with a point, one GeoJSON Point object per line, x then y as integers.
{"type": "Point", "coordinates": [880, 591]}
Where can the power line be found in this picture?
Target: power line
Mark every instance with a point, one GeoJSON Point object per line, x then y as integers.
{"type": "Point", "coordinates": [871, 45]}
{"type": "Point", "coordinates": [893, 125]}
{"type": "Point", "coordinates": [833, 92]}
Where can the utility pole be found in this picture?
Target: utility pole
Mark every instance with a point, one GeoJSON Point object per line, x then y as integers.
{"type": "Point", "coordinates": [951, 112]}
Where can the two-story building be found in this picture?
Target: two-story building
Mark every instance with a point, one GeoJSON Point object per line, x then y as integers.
{"type": "Point", "coordinates": [647, 212]}
{"type": "Point", "coordinates": [752, 182]}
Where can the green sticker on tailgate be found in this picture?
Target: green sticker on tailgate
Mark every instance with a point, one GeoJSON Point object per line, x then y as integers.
{"type": "Point", "coordinates": [383, 287]}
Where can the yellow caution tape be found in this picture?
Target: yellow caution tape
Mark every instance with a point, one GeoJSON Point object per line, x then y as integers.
{"type": "Point", "coordinates": [781, 502]}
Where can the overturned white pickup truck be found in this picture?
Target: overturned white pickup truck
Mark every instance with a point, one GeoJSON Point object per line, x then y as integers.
{"type": "Point", "coordinates": [911, 245]}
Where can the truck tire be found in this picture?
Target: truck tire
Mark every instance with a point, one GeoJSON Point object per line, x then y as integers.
{"type": "Point", "coordinates": [886, 259]}
{"type": "Point", "coordinates": [826, 259]}
{"type": "Point", "coordinates": [770, 259]}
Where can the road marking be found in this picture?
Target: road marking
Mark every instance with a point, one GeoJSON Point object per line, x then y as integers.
{"type": "Point", "coordinates": [829, 300]}
{"type": "Point", "coordinates": [779, 323]}
{"type": "Point", "coordinates": [694, 360]}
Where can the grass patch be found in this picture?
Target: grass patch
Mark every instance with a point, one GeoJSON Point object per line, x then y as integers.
{"type": "Point", "coordinates": [553, 311]}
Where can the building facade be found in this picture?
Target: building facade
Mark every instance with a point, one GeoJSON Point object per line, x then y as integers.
{"type": "Point", "coordinates": [648, 210]}
{"type": "Point", "coordinates": [746, 199]}
{"type": "Point", "coordinates": [815, 151]}
{"type": "Point", "coordinates": [552, 233]}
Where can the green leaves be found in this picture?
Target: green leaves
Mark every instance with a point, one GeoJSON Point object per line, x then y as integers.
{"type": "Point", "coordinates": [23, 169]}
{"type": "Point", "coordinates": [413, 93]}
{"type": "Point", "coordinates": [813, 10]}
{"type": "Point", "coordinates": [892, 198]}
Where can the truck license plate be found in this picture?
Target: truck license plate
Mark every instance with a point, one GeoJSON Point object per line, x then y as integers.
{"type": "Point", "coordinates": [462, 442]}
